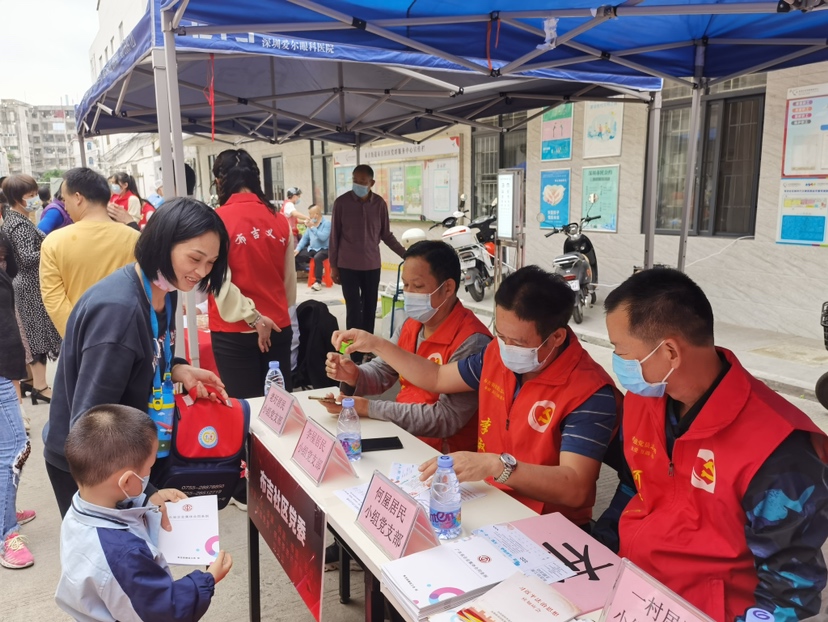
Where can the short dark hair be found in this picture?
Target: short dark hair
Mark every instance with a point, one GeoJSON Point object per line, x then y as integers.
{"type": "Point", "coordinates": [106, 439]}
{"type": "Point", "coordinates": [364, 168]}
{"type": "Point", "coordinates": [189, 178]}
{"type": "Point", "coordinates": [441, 259]}
{"type": "Point", "coordinates": [662, 302]}
{"type": "Point", "coordinates": [537, 296]}
{"type": "Point", "coordinates": [235, 169]}
{"type": "Point", "coordinates": [11, 262]}
{"type": "Point", "coordinates": [15, 186]}
{"type": "Point", "coordinates": [45, 193]}
{"type": "Point", "coordinates": [178, 220]}
{"type": "Point", "coordinates": [90, 185]}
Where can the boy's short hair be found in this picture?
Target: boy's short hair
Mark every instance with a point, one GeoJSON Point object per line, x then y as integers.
{"type": "Point", "coordinates": [106, 439]}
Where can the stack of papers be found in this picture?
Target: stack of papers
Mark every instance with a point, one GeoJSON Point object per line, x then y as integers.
{"type": "Point", "coordinates": [519, 598]}
{"type": "Point", "coordinates": [446, 576]}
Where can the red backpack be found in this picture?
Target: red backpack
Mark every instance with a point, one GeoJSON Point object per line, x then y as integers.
{"type": "Point", "coordinates": [208, 447]}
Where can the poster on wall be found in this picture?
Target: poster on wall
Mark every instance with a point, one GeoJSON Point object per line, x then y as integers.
{"type": "Point", "coordinates": [805, 148]}
{"type": "Point", "coordinates": [414, 188]}
{"type": "Point", "coordinates": [344, 179]}
{"type": "Point", "coordinates": [803, 211]}
{"type": "Point", "coordinates": [554, 200]}
{"type": "Point", "coordinates": [556, 134]}
{"type": "Point", "coordinates": [599, 197]}
{"type": "Point", "coordinates": [603, 125]}
{"type": "Point", "coordinates": [397, 202]}
{"type": "Point", "coordinates": [441, 187]}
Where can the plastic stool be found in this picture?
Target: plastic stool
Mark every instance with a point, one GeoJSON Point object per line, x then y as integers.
{"type": "Point", "coordinates": [326, 273]}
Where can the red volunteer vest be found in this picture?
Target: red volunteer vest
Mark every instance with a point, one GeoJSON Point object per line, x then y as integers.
{"type": "Point", "coordinates": [258, 243]}
{"type": "Point", "coordinates": [686, 528]}
{"type": "Point", "coordinates": [122, 199]}
{"type": "Point", "coordinates": [147, 210]}
{"type": "Point", "coordinates": [529, 426]}
{"type": "Point", "coordinates": [440, 347]}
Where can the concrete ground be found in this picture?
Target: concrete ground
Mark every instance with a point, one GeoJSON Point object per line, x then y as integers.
{"type": "Point", "coordinates": [791, 364]}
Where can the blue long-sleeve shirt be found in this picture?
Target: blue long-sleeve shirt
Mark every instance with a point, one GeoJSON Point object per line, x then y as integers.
{"type": "Point", "coordinates": [316, 238]}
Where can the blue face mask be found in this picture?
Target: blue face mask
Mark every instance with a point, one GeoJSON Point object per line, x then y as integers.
{"type": "Point", "coordinates": [631, 376]}
{"type": "Point", "coordinates": [360, 190]}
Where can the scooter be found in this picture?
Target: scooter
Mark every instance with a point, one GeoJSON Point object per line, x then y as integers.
{"type": "Point", "coordinates": [821, 388]}
{"type": "Point", "coordinates": [578, 265]}
{"type": "Point", "coordinates": [475, 246]}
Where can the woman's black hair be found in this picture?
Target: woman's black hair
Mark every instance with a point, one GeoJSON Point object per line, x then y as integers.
{"type": "Point", "coordinates": [178, 220]}
{"type": "Point", "coordinates": [11, 262]}
{"type": "Point", "coordinates": [235, 169]}
{"type": "Point", "coordinates": [45, 194]}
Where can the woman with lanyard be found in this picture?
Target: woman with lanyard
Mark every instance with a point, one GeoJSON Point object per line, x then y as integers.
{"type": "Point", "coordinates": [120, 336]}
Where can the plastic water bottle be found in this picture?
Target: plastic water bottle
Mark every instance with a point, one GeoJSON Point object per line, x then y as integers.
{"type": "Point", "coordinates": [274, 376]}
{"type": "Point", "coordinates": [758, 615]}
{"type": "Point", "coordinates": [445, 500]}
{"type": "Point", "coordinates": [348, 430]}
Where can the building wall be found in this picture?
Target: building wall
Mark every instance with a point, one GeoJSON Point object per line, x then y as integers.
{"type": "Point", "coordinates": [754, 283]}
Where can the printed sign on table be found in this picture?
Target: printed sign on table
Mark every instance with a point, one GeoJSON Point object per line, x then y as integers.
{"type": "Point", "coordinates": [290, 522]}
{"type": "Point", "coordinates": [394, 520]}
{"type": "Point", "coordinates": [556, 134]}
{"type": "Point", "coordinates": [554, 199]}
{"type": "Point", "coordinates": [278, 407]}
{"type": "Point", "coordinates": [317, 449]}
{"type": "Point", "coordinates": [638, 596]}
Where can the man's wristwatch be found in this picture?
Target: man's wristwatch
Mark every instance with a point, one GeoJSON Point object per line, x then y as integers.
{"type": "Point", "coordinates": [509, 466]}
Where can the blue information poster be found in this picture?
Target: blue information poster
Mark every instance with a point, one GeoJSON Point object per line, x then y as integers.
{"type": "Point", "coordinates": [803, 210]}
{"type": "Point", "coordinates": [556, 134]}
{"type": "Point", "coordinates": [554, 199]}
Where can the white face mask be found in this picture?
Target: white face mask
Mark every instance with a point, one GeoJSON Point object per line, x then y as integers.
{"type": "Point", "coordinates": [418, 306]}
{"type": "Point", "coordinates": [33, 203]}
{"type": "Point", "coordinates": [130, 500]}
{"type": "Point", "coordinates": [522, 360]}
{"type": "Point", "coordinates": [115, 188]}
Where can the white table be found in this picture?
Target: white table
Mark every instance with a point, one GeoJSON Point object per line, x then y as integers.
{"type": "Point", "coordinates": [495, 507]}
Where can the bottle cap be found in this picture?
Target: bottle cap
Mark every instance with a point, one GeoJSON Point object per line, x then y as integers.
{"type": "Point", "coordinates": [445, 462]}
{"type": "Point", "coordinates": [274, 365]}
{"type": "Point", "coordinates": [344, 346]}
{"type": "Point", "coordinates": [755, 614]}
{"type": "Point", "coordinates": [348, 402]}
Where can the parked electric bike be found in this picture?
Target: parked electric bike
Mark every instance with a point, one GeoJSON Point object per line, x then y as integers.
{"type": "Point", "coordinates": [578, 265]}
{"type": "Point", "coordinates": [475, 247]}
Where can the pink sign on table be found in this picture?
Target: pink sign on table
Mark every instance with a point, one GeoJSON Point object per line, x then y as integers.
{"type": "Point", "coordinates": [316, 449]}
{"type": "Point", "coordinates": [394, 520]}
{"type": "Point", "coordinates": [278, 407]}
{"type": "Point", "coordinates": [637, 595]}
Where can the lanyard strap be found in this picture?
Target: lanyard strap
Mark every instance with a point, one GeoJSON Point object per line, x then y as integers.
{"type": "Point", "coordinates": [154, 321]}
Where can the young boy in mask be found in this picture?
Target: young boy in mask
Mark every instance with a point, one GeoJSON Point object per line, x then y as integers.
{"type": "Point", "coordinates": [111, 567]}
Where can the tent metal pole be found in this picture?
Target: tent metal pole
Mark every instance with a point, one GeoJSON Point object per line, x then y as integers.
{"type": "Point", "coordinates": [625, 91]}
{"type": "Point", "coordinates": [587, 58]}
{"type": "Point", "coordinates": [341, 75]}
{"type": "Point", "coordinates": [748, 8]}
{"type": "Point", "coordinates": [358, 149]}
{"type": "Point", "coordinates": [416, 75]}
{"type": "Point", "coordinates": [388, 34]}
{"type": "Point", "coordinates": [176, 138]}
{"type": "Point", "coordinates": [771, 63]}
{"type": "Point", "coordinates": [800, 42]}
{"type": "Point", "coordinates": [273, 101]}
{"type": "Point", "coordinates": [122, 94]}
{"type": "Point", "coordinates": [627, 63]}
{"type": "Point", "coordinates": [606, 13]}
{"type": "Point", "coordinates": [690, 178]}
{"type": "Point", "coordinates": [82, 145]}
{"type": "Point", "coordinates": [379, 102]}
{"type": "Point", "coordinates": [653, 48]}
{"type": "Point", "coordinates": [651, 179]}
{"type": "Point", "coordinates": [163, 117]}
{"type": "Point", "coordinates": [176, 19]}
{"type": "Point", "coordinates": [499, 84]}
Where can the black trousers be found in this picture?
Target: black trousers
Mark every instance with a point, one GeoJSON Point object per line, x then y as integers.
{"type": "Point", "coordinates": [360, 288]}
{"type": "Point", "coordinates": [243, 367]}
{"type": "Point", "coordinates": [64, 487]}
{"type": "Point", "coordinates": [318, 257]}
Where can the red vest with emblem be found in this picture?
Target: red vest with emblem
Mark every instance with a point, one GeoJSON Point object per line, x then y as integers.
{"type": "Point", "coordinates": [687, 528]}
{"type": "Point", "coordinates": [529, 426]}
{"type": "Point", "coordinates": [258, 243]}
{"type": "Point", "coordinates": [440, 347]}
{"type": "Point", "coordinates": [122, 199]}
